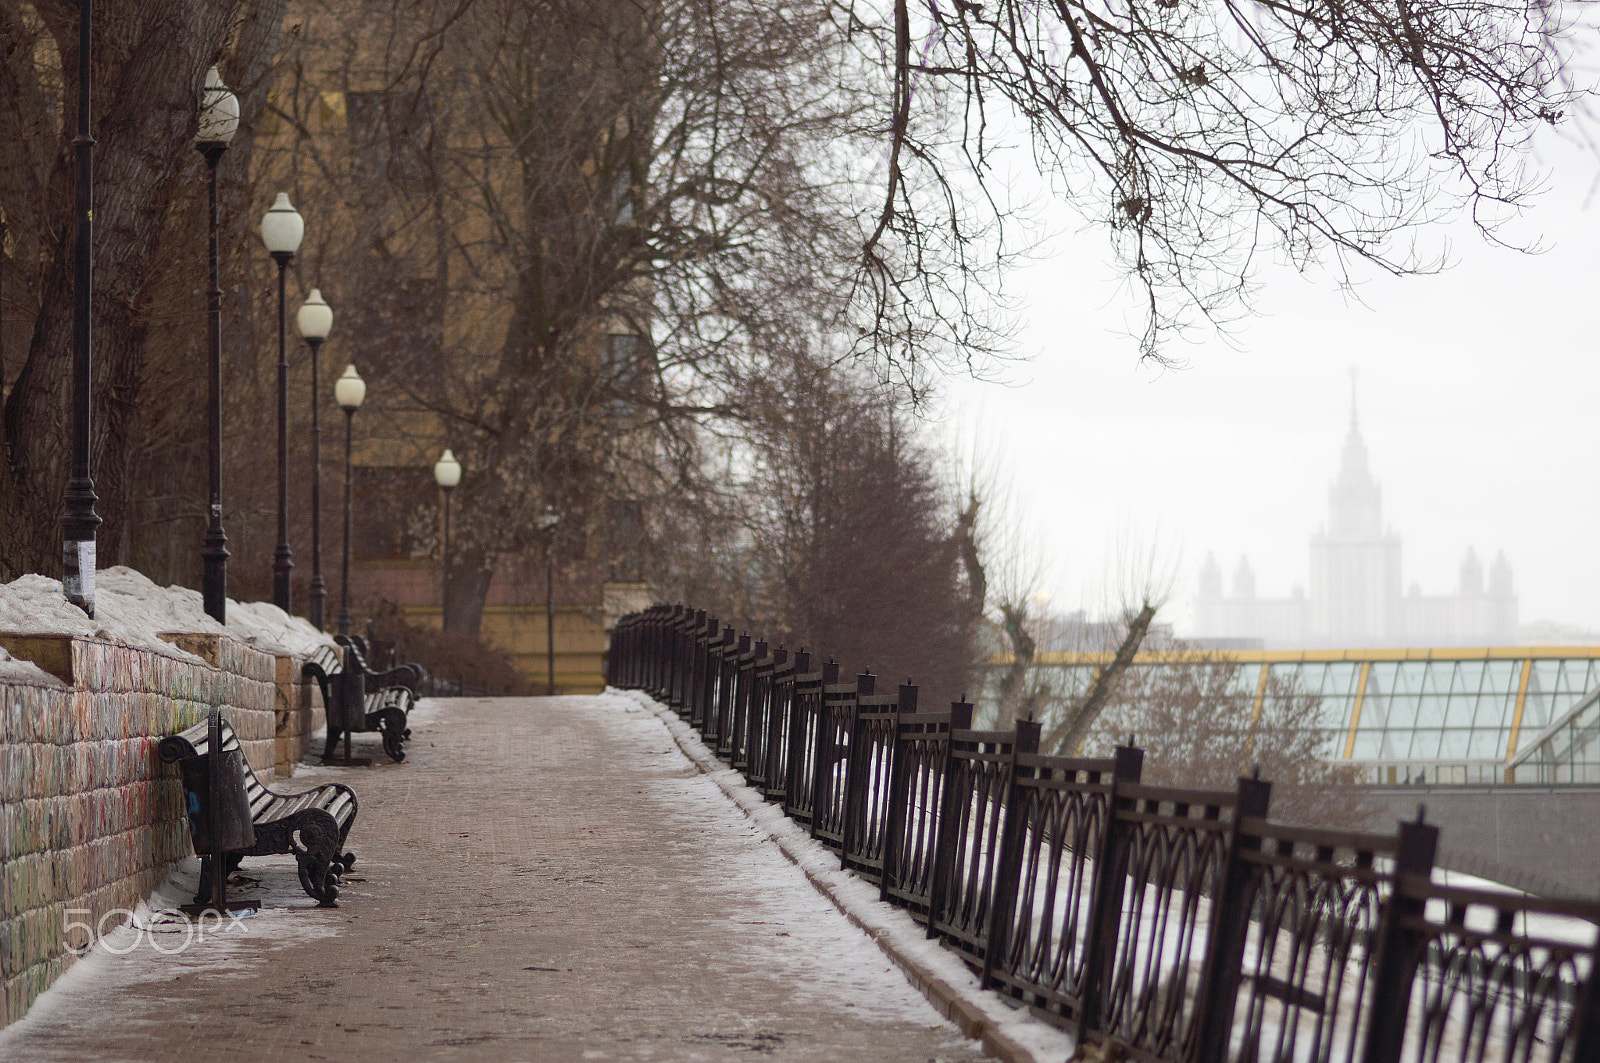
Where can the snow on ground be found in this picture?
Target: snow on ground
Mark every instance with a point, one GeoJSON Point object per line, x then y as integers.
{"type": "Point", "coordinates": [892, 928]}
{"type": "Point", "coordinates": [131, 609]}
{"type": "Point", "coordinates": [898, 932]}
{"type": "Point", "coordinates": [160, 944]}
{"type": "Point", "coordinates": [425, 712]}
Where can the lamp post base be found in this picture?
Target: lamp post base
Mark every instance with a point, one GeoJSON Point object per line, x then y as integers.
{"type": "Point", "coordinates": [282, 566]}
{"type": "Point", "coordinates": [77, 549]}
{"type": "Point", "coordinates": [214, 585]}
{"type": "Point", "coordinates": [317, 601]}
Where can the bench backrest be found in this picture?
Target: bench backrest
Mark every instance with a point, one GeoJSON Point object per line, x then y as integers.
{"type": "Point", "coordinates": [374, 680]}
{"type": "Point", "coordinates": [340, 674]}
{"type": "Point", "coordinates": [194, 743]}
{"type": "Point", "coordinates": [326, 660]}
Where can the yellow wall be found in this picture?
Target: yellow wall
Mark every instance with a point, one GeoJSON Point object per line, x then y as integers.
{"type": "Point", "coordinates": [519, 630]}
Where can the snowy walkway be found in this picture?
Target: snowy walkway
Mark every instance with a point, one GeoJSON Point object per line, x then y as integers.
{"type": "Point", "coordinates": [545, 879]}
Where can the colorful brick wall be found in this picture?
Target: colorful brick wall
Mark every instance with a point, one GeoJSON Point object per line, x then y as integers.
{"type": "Point", "coordinates": [89, 816]}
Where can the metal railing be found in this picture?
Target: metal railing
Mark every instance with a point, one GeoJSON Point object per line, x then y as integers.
{"type": "Point", "coordinates": [1181, 925]}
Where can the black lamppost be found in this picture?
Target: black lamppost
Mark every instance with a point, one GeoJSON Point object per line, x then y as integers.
{"type": "Point", "coordinates": [219, 120]}
{"type": "Point", "coordinates": [446, 473]}
{"type": "Point", "coordinates": [281, 230]}
{"type": "Point", "coordinates": [315, 321]}
{"type": "Point", "coordinates": [547, 523]}
{"type": "Point", "coordinates": [348, 391]}
{"type": "Point", "coordinates": [78, 518]}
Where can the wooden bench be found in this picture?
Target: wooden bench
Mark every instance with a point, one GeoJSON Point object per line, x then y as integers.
{"type": "Point", "coordinates": [378, 657]}
{"type": "Point", "coordinates": [312, 825]}
{"type": "Point", "coordinates": [359, 699]}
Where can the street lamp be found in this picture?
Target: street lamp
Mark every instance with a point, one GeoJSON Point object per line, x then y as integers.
{"type": "Point", "coordinates": [281, 230]}
{"type": "Point", "coordinates": [219, 121]}
{"type": "Point", "coordinates": [348, 391]}
{"type": "Point", "coordinates": [547, 523]}
{"type": "Point", "coordinates": [78, 518]}
{"type": "Point", "coordinates": [315, 321]}
{"type": "Point", "coordinates": [446, 473]}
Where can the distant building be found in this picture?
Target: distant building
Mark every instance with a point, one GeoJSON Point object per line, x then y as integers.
{"type": "Point", "coordinates": [1356, 597]}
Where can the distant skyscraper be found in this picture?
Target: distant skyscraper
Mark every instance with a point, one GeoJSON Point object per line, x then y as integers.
{"type": "Point", "coordinates": [1355, 598]}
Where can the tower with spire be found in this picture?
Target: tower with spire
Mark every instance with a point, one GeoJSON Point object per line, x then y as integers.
{"type": "Point", "coordinates": [1355, 599]}
{"type": "Point", "coordinates": [1355, 560]}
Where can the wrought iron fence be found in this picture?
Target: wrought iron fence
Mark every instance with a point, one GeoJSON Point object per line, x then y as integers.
{"type": "Point", "coordinates": [1183, 926]}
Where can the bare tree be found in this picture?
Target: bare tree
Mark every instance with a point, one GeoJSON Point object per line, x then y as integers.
{"type": "Point", "coordinates": [149, 63]}
{"type": "Point", "coordinates": [1204, 720]}
{"type": "Point", "coordinates": [1072, 725]}
{"type": "Point", "coordinates": [1208, 137]}
{"type": "Point", "coordinates": [1005, 569]}
{"type": "Point", "coordinates": [578, 233]}
{"type": "Point", "coordinates": [842, 536]}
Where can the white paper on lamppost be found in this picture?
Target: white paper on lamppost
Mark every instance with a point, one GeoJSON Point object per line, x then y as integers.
{"type": "Point", "coordinates": [78, 581]}
{"type": "Point", "coordinates": [86, 568]}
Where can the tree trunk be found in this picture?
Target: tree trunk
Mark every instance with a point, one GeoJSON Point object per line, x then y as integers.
{"type": "Point", "coordinates": [470, 573]}
{"type": "Point", "coordinates": [1068, 736]}
{"type": "Point", "coordinates": [150, 59]}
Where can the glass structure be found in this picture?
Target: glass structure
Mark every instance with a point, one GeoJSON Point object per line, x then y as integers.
{"type": "Point", "coordinates": [1438, 716]}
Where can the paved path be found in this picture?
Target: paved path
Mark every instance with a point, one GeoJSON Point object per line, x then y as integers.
{"type": "Point", "coordinates": [545, 879]}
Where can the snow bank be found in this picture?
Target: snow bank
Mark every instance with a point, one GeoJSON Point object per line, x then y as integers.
{"type": "Point", "coordinates": [135, 600]}
{"type": "Point", "coordinates": [270, 629]}
{"type": "Point", "coordinates": [1008, 1032]}
{"type": "Point", "coordinates": [34, 605]}
{"type": "Point", "coordinates": [131, 609]}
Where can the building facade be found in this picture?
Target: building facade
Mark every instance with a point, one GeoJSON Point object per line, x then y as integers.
{"type": "Point", "coordinates": [1356, 597]}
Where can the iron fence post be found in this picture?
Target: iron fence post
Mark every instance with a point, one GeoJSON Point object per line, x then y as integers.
{"type": "Point", "coordinates": [794, 743]}
{"type": "Point", "coordinates": [944, 844]}
{"type": "Point", "coordinates": [1230, 924]}
{"type": "Point", "coordinates": [707, 686]}
{"type": "Point", "coordinates": [1586, 1017]}
{"type": "Point", "coordinates": [668, 651]}
{"type": "Point", "coordinates": [897, 806]}
{"type": "Point", "coordinates": [744, 672]}
{"type": "Point", "coordinates": [1008, 870]}
{"type": "Point", "coordinates": [813, 745]}
{"type": "Point", "coordinates": [1397, 945]}
{"type": "Point", "coordinates": [684, 652]}
{"type": "Point", "coordinates": [1105, 905]}
{"type": "Point", "coordinates": [828, 761]}
{"type": "Point", "coordinates": [858, 774]}
{"type": "Point", "coordinates": [694, 668]}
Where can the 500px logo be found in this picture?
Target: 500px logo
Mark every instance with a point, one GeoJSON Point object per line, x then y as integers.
{"type": "Point", "coordinates": [169, 933]}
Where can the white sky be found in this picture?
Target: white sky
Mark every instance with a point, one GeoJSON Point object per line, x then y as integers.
{"type": "Point", "coordinates": [1477, 389]}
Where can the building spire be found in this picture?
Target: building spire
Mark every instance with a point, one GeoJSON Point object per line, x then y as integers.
{"type": "Point", "coordinates": [1353, 372]}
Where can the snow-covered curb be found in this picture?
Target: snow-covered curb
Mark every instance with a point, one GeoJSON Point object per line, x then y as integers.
{"type": "Point", "coordinates": [1005, 1032]}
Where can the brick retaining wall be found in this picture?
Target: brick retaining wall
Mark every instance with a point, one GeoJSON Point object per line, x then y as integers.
{"type": "Point", "coordinates": [89, 817]}
{"type": "Point", "coordinates": [299, 712]}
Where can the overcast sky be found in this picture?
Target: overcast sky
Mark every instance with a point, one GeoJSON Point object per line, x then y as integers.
{"type": "Point", "coordinates": [1478, 391]}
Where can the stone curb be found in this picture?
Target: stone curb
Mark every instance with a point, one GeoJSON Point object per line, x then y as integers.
{"type": "Point", "coordinates": [968, 1015]}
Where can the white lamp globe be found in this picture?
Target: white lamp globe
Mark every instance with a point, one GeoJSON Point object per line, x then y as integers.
{"type": "Point", "coordinates": [282, 227]}
{"type": "Point", "coordinates": [315, 317]}
{"type": "Point", "coordinates": [447, 470]}
{"type": "Point", "coordinates": [349, 390]}
{"type": "Point", "coordinates": [219, 112]}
